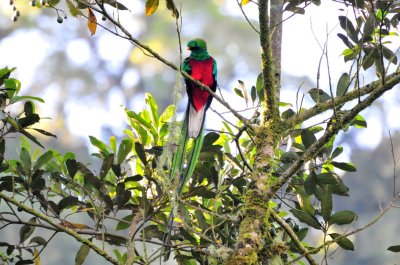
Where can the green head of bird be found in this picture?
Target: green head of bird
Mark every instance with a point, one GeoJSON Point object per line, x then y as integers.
{"type": "Point", "coordinates": [197, 45]}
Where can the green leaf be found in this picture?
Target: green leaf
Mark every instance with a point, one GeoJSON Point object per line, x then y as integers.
{"type": "Point", "coordinates": [99, 144]}
{"type": "Point", "coordinates": [82, 254]}
{"type": "Point", "coordinates": [151, 7]}
{"type": "Point", "coordinates": [395, 248]}
{"type": "Point", "coordinates": [29, 108]}
{"type": "Point", "coordinates": [343, 218]}
{"type": "Point", "coordinates": [27, 230]}
{"type": "Point", "coordinates": [306, 218]}
{"type": "Point", "coordinates": [25, 158]}
{"type": "Point", "coordinates": [308, 138]}
{"type": "Point", "coordinates": [73, 10]}
{"type": "Point", "coordinates": [346, 41]}
{"type": "Point", "coordinates": [200, 218]}
{"type": "Point", "coordinates": [288, 114]}
{"type": "Point", "coordinates": [338, 150]}
{"type": "Point", "coordinates": [153, 109]}
{"type": "Point", "coordinates": [318, 95]}
{"type": "Point", "coordinates": [125, 223]}
{"type": "Point", "coordinates": [43, 159]}
{"type": "Point", "coordinates": [326, 178]}
{"type": "Point", "coordinates": [260, 87]}
{"type": "Point", "coordinates": [344, 243]}
{"type": "Point", "coordinates": [324, 195]}
{"type": "Point", "coordinates": [44, 132]}
{"type": "Point", "coordinates": [123, 150]}
{"type": "Point", "coordinates": [343, 84]}
{"type": "Point", "coordinates": [349, 167]}
{"type": "Point", "coordinates": [238, 92]}
{"type": "Point", "coordinates": [359, 122]}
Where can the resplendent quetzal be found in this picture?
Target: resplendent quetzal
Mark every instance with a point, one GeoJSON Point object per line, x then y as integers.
{"type": "Point", "coordinates": [202, 67]}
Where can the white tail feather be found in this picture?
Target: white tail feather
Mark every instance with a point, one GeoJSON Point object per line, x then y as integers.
{"type": "Point", "coordinates": [195, 121]}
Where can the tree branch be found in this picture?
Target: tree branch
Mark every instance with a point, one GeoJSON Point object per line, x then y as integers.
{"type": "Point", "coordinates": [59, 227]}
{"type": "Point", "coordinates": [391, 80]}
{"type": "Point", "coordinates": [293, 236]}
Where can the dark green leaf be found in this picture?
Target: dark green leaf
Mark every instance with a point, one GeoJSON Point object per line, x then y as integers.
{"type": "Point", "coordinates": [67, 202]}
{"type": "Point", "coordinates": [324, 195]}
{"type": "Point", "coordinates": [287, 114]}
{"type": "Point", "coordinates": [38, 240]}
{"type": "Point", "coordinates": [344, 243]}
{"type": "Point", "coordinates": [343, 84]}
{"type": "Point", "coordinates": [24, 262]}
{"type": "Point", "coordinates": [171, 6]}
{"type": "Point", "coordinates": [343, 217]}
{"type": "Point", "coordinates": [308, 138]}
{"type": "Point", "coordinates": [306, 218]}
{"type": "Point", "coordinates": [27, 230]}
{"type": "Point", "coordinates": [318, 95]}
{"type": "Point", "coordinates": [200, 218]}
{"type": "Point", "coordinates": [253, 93]}
{"type": "Point", "coordinates": [29, 108]}
{"type": "Point", "coordinates": [44, 132]}
{"type": "Point", "coordinates": [82, 254]}
{"type": "Point", "coordinates": [210, 138]}
{"type": "Point", "coordinates": [370, 25]}
{"type": "Point", "coordinates": [184, 213]}
{"type": "Point", "coordinates": [115, 4]}
{"type": "Point", "coordinates": [140, 152]}
{"type": "Point", "coordinates": [389, 55]}
{"type": "Point", "coordinates": [326, 178]}
{"type": "Point", "coordinates": [345, 40]}
{"type": "Point", "coordinates": [302, 233]}
{"type": "Point", "coordinates": [395, 248]}
{"type": "Point", "coordinates": [310, 183]}
{"type": "Point", "coordinates": [25, 158]}
{"type": "Point", "coordinates": [106, 166]}
{"type": "Point", "coordinates": [72, 167]}
{"type": "Point", "coordinates": [347, 25]}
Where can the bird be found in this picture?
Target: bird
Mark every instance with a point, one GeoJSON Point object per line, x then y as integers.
{"type": "Point", "coordinates": [203, 68]}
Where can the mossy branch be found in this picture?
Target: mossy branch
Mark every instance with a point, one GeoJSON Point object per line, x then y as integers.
{"type": "Point", "coordinates": [391, 80]}
{"type": "Point", "coordinates": [59, 227]}
{"type": "Point", "coordinates": [270, 105]}
{"type": "Point", "coordinates": [293, 236]}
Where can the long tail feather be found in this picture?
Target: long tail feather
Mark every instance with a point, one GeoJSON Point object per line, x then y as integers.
{"type": "Point", "coordinates": [178, 162]}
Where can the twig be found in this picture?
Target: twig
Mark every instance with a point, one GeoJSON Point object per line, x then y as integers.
{"type": "Point", "coordinates": [394, 165]}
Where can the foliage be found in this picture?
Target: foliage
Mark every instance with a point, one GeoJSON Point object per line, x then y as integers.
{"type": "Point", "coordinates": [259, 187]}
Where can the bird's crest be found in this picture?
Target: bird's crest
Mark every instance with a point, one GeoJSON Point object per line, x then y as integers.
{"type": "Point", "coordinates": [197, 44]}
